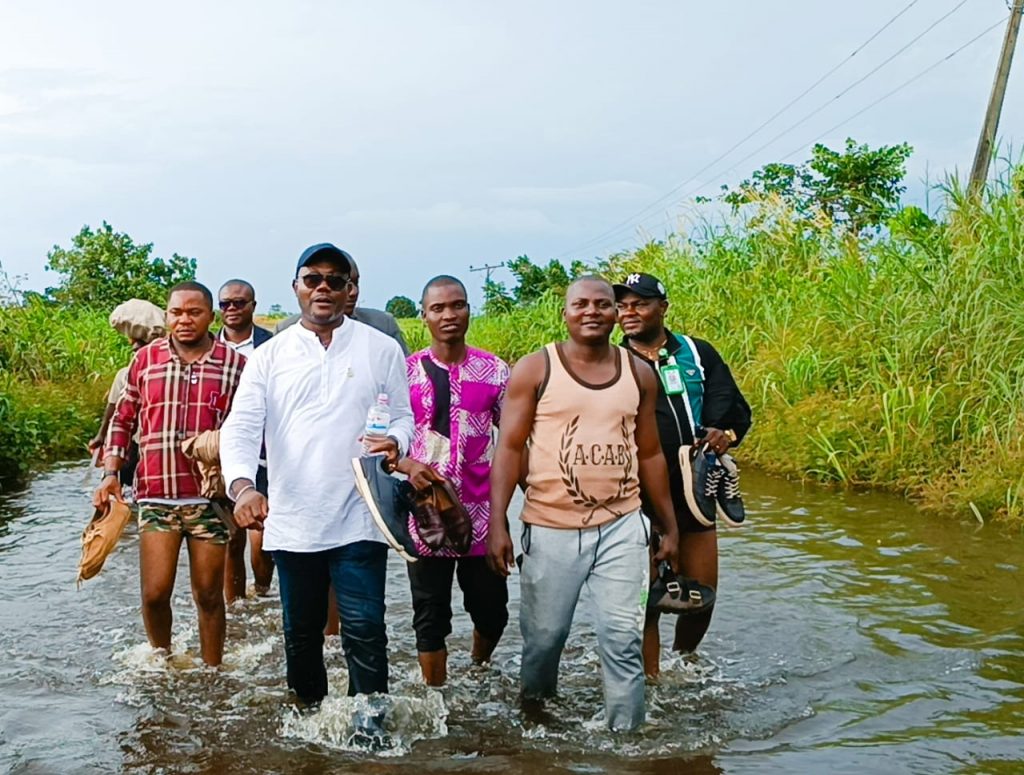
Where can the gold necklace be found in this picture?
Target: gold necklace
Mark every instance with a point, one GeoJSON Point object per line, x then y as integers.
{"type": "Point", "coordinates": [650, 353]}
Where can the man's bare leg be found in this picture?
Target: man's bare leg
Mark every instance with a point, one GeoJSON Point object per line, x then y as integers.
{"type": "Point", "coordinates": [698, 559]}
{"type": "Point", "coordinates": [262, 563]}
{"type": "Point", "coordinates": [206, 569]}
{"type": "Point", "coordinates": [158, 565]}
{"type": "Point", "coordinates": [434, 666]}
{"type": "Point", "coordinates": [652, 637]}
{"type": "Point", "coordinates": [482, 648]}
{"type": "Point", "coordinates": [234, 568]}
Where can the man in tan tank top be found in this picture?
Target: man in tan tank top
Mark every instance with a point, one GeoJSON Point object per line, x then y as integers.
{"type": "Point", "coordinates": [584, 409]}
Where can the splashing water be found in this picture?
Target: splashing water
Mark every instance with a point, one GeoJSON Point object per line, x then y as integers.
{"type": "Point", "coordinates": [851, 633]}
{"type": "Point", "coordinates": [386, 725]}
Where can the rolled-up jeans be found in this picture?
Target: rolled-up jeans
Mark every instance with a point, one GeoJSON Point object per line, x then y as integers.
{"type": "Point", "coordinates": [611, 561]}
{"type": "Point", "coordinates": [357, 571]}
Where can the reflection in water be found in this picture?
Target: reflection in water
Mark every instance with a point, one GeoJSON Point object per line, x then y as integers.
{"type": "Point", "coordinates": [852, 634]}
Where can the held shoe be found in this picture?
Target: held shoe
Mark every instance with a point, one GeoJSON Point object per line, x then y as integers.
{"type": "Point", "coordinates": [386, 498]}
{"type": "Point", "coordinates": [672, 594]}
{"type": "Point", "coordinates": [441, 520]}
{"type": "Point", "coordinates": [701, 479]}
{"type": "Point", "coordinates": [730, 504]}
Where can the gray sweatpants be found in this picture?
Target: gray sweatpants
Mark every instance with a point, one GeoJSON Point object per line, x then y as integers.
{"type": "Point", "coordinates": [611, 560]}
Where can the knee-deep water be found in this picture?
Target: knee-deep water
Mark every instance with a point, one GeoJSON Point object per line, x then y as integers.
{"type": "Point", "coordinates": [852, 634]}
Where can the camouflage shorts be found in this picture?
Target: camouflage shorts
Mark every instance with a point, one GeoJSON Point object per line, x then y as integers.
{"type": "Point", "coordinates": [195, 520]}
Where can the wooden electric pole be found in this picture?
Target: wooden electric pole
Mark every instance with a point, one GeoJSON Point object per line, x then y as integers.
{"type": "Point", "coordinates": [995, 103]}
{"type": "Point", "coordinates": [491, 267]}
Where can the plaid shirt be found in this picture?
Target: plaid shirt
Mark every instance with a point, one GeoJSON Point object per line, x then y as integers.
{"type": "Point", "coordinates": [168, 401]}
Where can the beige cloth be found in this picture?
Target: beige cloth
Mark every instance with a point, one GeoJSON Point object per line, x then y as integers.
{"type": "Point", "coordinates": [204, 449]}
{"type": "Point", "coordinates": [117, 386]}
{"type": "Point", "coordinates": [582, 470]}
{"type": "Point", "coordinates": [100, 537]}
{"type": "Point", "coordinates": [139, 319]}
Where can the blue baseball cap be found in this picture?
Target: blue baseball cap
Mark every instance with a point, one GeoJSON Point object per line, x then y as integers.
{"type": "Point", "coordinates": [325, 251]}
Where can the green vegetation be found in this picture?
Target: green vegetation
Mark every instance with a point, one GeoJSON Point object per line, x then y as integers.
{"type": "Point", "coordinates": [401, 307]}
{"type": "Point", "coordinates": [104, 268]}
{"type": "Point", "coordinates": [58, 352]}
{"type": "Point", "coordinates": [894, 361]}
{"type": "Point", "coordinates": [56, 364]}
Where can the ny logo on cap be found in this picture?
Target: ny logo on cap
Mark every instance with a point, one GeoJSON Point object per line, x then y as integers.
{"type": "Point", "coordinates": [633, 279]}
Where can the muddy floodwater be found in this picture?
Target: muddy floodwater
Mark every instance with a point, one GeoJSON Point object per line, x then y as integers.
{"type": "Point", "coordinates": [853, 634]}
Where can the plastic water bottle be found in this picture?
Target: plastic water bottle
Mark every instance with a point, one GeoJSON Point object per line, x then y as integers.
{"type": "Point", "coordinates": [378, 420]}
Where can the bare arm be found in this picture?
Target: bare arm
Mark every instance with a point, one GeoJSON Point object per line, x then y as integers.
{"type": "Point", "coordinates": [517, 416]}
{"type": "Point", "coordinates": [653, 471]}
{"type": "Point", "coordinates": [96, 443]}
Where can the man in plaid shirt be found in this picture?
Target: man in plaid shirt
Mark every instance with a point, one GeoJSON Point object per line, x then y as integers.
{"type": "Point", "coordinates": [178, 386]}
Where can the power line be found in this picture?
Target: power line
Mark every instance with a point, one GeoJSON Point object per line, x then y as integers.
{"type": "Point", "coordinates": [902, 86]}
{"type": "Point", "coordinates": [629, 222]}
{"type": "Point", "coordinates": [885, 96]}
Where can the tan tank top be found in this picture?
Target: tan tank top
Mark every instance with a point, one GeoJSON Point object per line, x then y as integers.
{"type": "Point", "coordinates": [582, 462]}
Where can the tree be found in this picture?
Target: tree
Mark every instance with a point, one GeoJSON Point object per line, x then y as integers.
{"type": "Point", "coordinates": [857, 189]}
{"type": "Point", "coordinates": [105, 267]}
{"type": "Point", "coordinates": [401, 307]}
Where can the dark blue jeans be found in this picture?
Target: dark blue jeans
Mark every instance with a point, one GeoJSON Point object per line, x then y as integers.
{"type": "Point", "coordinates": [357, 572]}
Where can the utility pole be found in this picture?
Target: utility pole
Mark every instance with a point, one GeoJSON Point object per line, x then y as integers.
{"type": "Point", "coordinates": [995, 103]}
{"type": "Point", "coordinates": [491, 267]}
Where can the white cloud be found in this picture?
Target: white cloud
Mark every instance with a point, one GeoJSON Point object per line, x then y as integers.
{"type": "Point", "coordinates": [611, 191]}
{"type": "Point", "coordinates": [450, 217]}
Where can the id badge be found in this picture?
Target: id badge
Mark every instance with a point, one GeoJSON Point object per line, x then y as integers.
{"type": "Point", "coordinates": [671, 379]}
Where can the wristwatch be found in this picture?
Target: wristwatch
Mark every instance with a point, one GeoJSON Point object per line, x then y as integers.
{"type": "Point", "coordinates": [730, 434]}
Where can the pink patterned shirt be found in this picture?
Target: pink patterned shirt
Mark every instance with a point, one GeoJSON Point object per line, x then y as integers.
{"type": "Point", "coordinates": [456, 409]}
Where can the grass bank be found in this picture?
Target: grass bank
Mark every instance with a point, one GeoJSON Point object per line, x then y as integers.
{"type": "Point", "coordinates": [55, 367]}
{"type": "Point", "coordinates": [896, 362]}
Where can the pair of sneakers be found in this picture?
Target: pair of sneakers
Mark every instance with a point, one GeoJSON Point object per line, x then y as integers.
{"type": "Point", "coordinates": [712, 486]}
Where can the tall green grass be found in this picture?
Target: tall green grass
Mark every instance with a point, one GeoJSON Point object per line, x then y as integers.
{"type": "Point", "coordinates": [55, 367]}
{"type": "Point", "coordinates": [896, 362]}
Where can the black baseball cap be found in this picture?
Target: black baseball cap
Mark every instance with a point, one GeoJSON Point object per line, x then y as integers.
{"type": "Point", "coordinates": [325, 251]}
{"type": "Point", "coordinates": [646, 285]}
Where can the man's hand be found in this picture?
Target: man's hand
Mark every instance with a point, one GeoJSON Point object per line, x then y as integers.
{"type": "Point", "coordinates": [668, 550]}
{"type": "Point", "coordinates": [377, 444]}
{"type": "Point", "coordinates": [717, 440]}
{"type": "Point", "coordinates": [109, 488]}
{"type": "Point", "coordinates": [500, 552]}
{"type": "Point", "coordinates": [420, 474]}
{"type": "Point", "coordinates": [251, 510]}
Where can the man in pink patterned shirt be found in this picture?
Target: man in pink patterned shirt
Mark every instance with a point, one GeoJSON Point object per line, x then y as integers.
{"type": "Point", "coordinates": [456, 394]}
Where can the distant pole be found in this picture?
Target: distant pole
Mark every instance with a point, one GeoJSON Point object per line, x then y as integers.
{"type": "Point", "coordinates": [491, 267]}
{"type": "Point", "coordinates": [995, 102]}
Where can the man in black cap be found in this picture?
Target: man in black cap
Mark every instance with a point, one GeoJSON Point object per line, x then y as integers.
{"type": "Point", "coordinates": [376, 318]}
{"type": "Point", "coordinates": [698, 399]}
{"type": "Point", "coordinates": [309, 390]}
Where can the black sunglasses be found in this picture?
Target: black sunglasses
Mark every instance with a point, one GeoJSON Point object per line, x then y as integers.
{"type": "Point", "coordinates": [233, 303]}
{"type": "Point", "coordinates": [334, 281]}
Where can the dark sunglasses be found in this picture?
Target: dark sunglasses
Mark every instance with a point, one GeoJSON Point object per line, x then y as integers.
{"type": "Point", "coordinates": [334, 281]}
{"type": "Point", "coordinates": [233, 303]}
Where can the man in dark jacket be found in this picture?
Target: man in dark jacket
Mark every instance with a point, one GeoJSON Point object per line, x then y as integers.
{"type": "Point", "coordinates": [723, 420]}
{"type": "Point", "coordinates": [237, 302]}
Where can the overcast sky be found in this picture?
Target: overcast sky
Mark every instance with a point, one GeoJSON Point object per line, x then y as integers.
{"type": "Point", "coordinates": [428, 136]}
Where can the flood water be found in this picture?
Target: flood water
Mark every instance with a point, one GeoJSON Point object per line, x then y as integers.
{"type": "Point", "coordinates": [852, 634]}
